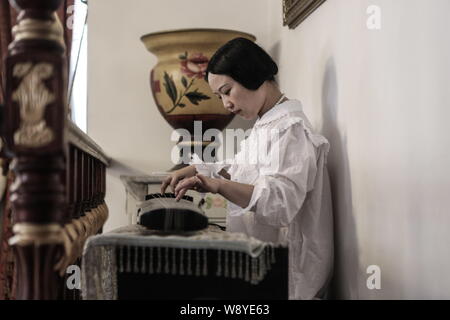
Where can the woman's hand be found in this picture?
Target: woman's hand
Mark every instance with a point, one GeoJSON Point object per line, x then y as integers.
{"type": "Point", "coordinates": [173, 179]}
{"type": "Point", "coordinates": [198, 183]}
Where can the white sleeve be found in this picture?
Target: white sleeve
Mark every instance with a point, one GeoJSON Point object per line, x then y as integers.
{"type": "Point", "coordinates": [280, 190]}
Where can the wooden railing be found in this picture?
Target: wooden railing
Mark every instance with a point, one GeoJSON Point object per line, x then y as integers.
{"type": "Point", "coordinates": [57, 198]}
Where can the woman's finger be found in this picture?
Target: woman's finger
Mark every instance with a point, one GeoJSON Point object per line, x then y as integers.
{"type": "Point", "coordinates": [203, 182]}
{"type": "Point", "coordinates": [181, 194]}
{"type": "Point", "coordinates": [174, 182]}
{"type": "Point", "coordinates": [201, 179]}
{"type": "Point", "coordinates": [165, 183]}
{"type": "Point", "coordinates": [185, 183]}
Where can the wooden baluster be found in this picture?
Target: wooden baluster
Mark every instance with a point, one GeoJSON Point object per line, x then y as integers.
{"type": "Point", "coordinates": [72, 294]}
{"type": "Point", "coordinates": [79, 175]}
{"type": "Point", "coordinates": [94, 183]}
{"type": "Point", "coordinates": [96, 189]}
{"type": "Point", "coordinates": [83, 183]}
{"type": "Point", "coordinates": [91, 184]}
{"type": "Point", "coordinates": [89, 192]}
{"type": "Point", "coordinates": [97, 183]}
{"type": "Point", "coordinates": [102, 187]}
{"type": "Point", "coordinates": [78, 199]}
{"type": "Point", "coordinates": [70, 185]}
{"type": "Point", "coordinates": [103, 181]}
{"type": "Point", "coordinates": [101, 201]}
{"type": "Point", "coordinates": [69, 177]}
{"type": "Point", "coordinates": [102, 198]}
{"type": "Point", "coordinates": [35, 118]}
{"type": "Point", "coordinates": [75, 179]}
{"type": "Point", "coordinates": [75, 295]}
{"type": "Point", "coordinates": [87, 182]}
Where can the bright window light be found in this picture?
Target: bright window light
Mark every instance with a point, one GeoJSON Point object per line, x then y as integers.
{"type": "Point", "coordinates": [78, 67]}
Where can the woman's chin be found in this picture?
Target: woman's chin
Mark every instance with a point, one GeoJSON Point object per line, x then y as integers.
{"type": "Point", "coordinates": [249, 118]}
{"type": "Point", "coordinates": [244, 116]}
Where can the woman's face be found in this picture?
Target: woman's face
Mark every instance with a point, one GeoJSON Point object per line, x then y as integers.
{"type": "Point", "coordinates": [235, 97]}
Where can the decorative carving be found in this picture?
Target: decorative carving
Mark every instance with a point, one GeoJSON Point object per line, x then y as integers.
{"type": "Point", "coordinates": [36, 234]}
{"type": "Point", "coordinates": [76, 233]}
{"type": "Point", "coordinates": [29, 28]}
{"type": "Point", "coordinates": [33, 96]}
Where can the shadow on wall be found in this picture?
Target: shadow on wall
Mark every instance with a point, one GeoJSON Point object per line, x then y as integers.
{"type": "Point", "coordinates": [274, 52]}
{"type": "Point", "coordinates": [346, 278]}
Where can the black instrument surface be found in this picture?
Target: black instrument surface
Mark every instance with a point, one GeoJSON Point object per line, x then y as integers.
{"type": "Point", "coordinates": [163, 213]}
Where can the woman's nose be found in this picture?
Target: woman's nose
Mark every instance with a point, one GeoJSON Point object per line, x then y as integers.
{"type": "Point", "coordinates": [228, 104]}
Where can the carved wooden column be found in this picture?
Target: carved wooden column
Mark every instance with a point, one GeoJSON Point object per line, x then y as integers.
{"type": "Point", "coordinates": [36, 112]}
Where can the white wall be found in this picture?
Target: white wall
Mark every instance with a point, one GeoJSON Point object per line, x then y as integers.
{"type": "Point", "coordinates": [382, 99]}
{"type": "Point", "coordinates": [122, 116]}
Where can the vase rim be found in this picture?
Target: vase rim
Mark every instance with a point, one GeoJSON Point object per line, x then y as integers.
{"type": "Point", "coordinates": [197, 30]}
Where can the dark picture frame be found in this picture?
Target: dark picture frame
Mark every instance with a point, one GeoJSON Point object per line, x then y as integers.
{"type": "Point", "coordinates": [296, 11]}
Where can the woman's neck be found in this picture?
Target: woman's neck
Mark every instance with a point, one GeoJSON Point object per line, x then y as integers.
{"type": "Point", "coordinates": [273, 95]}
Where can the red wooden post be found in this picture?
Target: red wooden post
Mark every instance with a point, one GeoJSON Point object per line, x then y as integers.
{"type": "Point", "coordinates": [35, 119]}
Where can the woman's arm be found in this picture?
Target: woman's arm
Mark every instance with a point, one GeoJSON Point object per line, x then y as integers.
{"type": "Point", "coordinates": [238, 193]}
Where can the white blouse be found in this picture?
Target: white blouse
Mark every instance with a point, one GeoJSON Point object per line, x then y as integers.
{"type": "Point", "coordinates": [291, 200]}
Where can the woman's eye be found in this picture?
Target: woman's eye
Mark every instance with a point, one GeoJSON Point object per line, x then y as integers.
{"type": "Point", "coordinates": [227, 92]}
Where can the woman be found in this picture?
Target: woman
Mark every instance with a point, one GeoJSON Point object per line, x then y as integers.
{"type": "Point", "coordinates": [286, 199]}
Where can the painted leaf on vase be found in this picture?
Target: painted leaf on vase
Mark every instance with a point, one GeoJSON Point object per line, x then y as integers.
{"type": "Point", "coordinates": [195, 97]}
{"type": "Point", "coordinates": [183, 56]}
{"type": "Point", "coordinates": [171, 89]}
{"type": "Point", "coordinates": [184, 82]}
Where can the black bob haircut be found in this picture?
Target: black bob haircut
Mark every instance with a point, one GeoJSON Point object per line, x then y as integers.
{"type": "Point", "coordinates": [245, 62]}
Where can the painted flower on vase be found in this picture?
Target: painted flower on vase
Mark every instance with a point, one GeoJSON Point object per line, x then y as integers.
{"type": "Point", "coordinates": [194, 68]}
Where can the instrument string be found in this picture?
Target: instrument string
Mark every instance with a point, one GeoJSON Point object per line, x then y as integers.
{"type": "Point", "coordinates": [166, 202]}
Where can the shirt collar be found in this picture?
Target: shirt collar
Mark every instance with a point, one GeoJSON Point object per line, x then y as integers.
{"type": "Point", "coordinates": [279, 111]}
